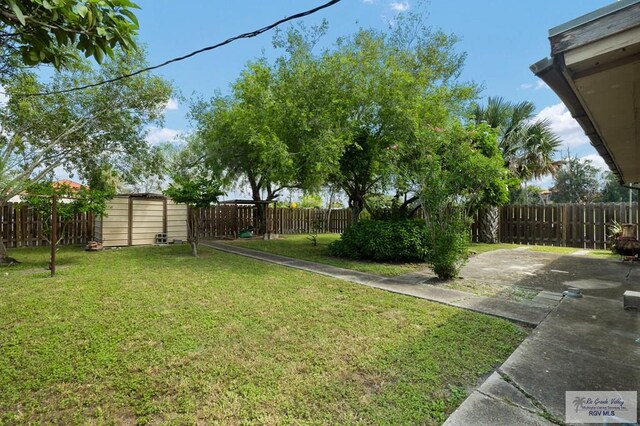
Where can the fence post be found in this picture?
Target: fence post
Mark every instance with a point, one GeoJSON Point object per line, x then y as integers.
{"type": "Point", "coordinates": [565, 224]}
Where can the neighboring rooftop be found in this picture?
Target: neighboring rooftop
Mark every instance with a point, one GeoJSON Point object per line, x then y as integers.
{"type": "Point", "coordinates": [66, 182]}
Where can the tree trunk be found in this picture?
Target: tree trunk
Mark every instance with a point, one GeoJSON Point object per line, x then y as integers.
{"type": "Point", "coordinates": [3, 252]}
{"type": "Point", "coordinates": [4, 256]}
{"type": "Point", "coordinates": [356, 209]}
{"type": "Point", "coordinates": [329, 208]}
{"type": "Point", "coordinates": [488, 226]}
{"type": "Point", "coordinates": [193, 229]}
{"type": "Point", "coordinates": [262, 218]}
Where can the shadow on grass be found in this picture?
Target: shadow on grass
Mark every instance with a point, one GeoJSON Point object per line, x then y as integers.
{"type": "Point", "coordinates": [39, 257]}
{"type": "Point", "coordinates": [423, 378]}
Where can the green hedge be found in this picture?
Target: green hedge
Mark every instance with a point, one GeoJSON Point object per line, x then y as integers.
{"type": "Point", "coordinates": [384, 240]}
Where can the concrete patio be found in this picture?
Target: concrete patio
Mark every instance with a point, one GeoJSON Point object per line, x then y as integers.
{"type": "Point", "coordinates": [583, 344]}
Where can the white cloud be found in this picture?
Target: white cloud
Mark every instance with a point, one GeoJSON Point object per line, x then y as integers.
{"type": "Point", "coordinates": [171, 105]}
{"type": "Point", "coordinates": [564, 126]}
{"type": "Point", "coordinates": [544, 182]}
{"type": "Point", "coordinates": [367, 1]}
{"type": "Point", "coordinates": [399, 6]}
{"type": "Point", "coordinates": [537, 86]}
{"type": "Point", "coordinates": [541, 85]}
{"type": "Point", "coordinates": [157, 136]}
{"type": "Point", "coordinates": [596, 161]}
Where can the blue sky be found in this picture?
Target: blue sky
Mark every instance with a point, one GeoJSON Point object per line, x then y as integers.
{"type": "Point", "coordinates": [501, 39]}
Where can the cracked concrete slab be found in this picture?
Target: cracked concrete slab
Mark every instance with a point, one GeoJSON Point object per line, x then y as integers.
{"type": "Point", "coordinates": [496, 387]}
{"type": "Point", "coordinates": [585, 344]}
{"type": "Point", "coordinates": [480, 409]}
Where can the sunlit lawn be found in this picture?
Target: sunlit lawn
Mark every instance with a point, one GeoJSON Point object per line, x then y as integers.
{"type": "Point", "coordinates": [482, 247]}
{"type": "Point", "coordinates": [477, 248]}
{"type": "Point", "coordinates": [151, 335]}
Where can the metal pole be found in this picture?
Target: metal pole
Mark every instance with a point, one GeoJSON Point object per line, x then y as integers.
{"type": "Point", "coordinates": [54, 234]}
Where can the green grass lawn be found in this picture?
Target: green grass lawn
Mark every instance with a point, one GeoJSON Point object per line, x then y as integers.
{"type": "Point", "coordinates": [605, 254]}
{"type": "Point", "coordinates": [300, 247]}
{"type": "Point", "coordinates": [482, 247]}
{"type": "Point", "coordinates": [477, 248]}
{"type": "Point", "coordinates": [151, 335]}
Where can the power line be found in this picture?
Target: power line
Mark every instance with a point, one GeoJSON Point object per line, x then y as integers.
{"type": "Point", "coordinates": [189, 55]}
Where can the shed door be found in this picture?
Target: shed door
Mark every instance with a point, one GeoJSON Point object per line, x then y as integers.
{"type": "Point", "coordinates": [147, 219]}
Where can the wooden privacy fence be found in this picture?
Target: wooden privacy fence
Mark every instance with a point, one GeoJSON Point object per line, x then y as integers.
{"type": "Point", "coordinates": [227, 220]}
{"type": "Point", "coordinates": [303, 221]}
{"type": "Point", "coordinates": [568, 225]}
{"type": "Point", "coordinates": [21, 226]}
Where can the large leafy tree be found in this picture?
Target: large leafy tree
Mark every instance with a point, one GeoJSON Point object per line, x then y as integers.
{"type": "Point", "coordinates": [576, 181]}
{"type": "Point", "coordinates": [81, 131]}
{"type": "Point", "coordinates": [348, 115]}
{"type": "Point", "coordinates": [55, 31]}
{"type": "Point", "coordinates": [613, 192]}
{"type": "Point", "coordinates": [528, 146]}
{"type": "Point", "coordinates": [386, 89]}
{"type": "Point", "coordinates": [271, 133]}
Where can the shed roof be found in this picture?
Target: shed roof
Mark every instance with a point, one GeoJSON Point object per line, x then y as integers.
{"type": "Point", "coordinates": [148, 195]}
{"type": "Point", "coordinates": [247, 202]}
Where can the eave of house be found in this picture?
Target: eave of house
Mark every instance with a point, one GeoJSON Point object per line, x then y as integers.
{"type": "Point", "coordinates": [595, 70]}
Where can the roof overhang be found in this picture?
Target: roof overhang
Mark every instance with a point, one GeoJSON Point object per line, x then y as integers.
{"type": "Point", "coordinates": [595, 70]}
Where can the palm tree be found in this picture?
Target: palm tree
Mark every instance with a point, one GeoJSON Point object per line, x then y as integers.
{"type": "Point", "coordinates": [578, 402]}
{"type": "Point", "coordinates": [527, 145]}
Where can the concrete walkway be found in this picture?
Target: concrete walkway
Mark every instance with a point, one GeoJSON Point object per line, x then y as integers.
{"type": "Point", "coordinates": [529, 313]}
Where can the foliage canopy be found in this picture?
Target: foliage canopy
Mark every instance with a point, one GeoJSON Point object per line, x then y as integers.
{"type": "Point", "coordinates": [80, 131]}
{"type": "Point", "coordinates": [55, 32]}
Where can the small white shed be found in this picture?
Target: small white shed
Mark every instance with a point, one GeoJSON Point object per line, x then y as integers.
{"type": "Point", "coordinates": [137, 219]}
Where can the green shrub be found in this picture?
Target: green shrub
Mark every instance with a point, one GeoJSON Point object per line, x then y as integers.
{"type": "Point", "coordinates": [384, 240]}
{"type": "Point", "coordinates": [449, 251]}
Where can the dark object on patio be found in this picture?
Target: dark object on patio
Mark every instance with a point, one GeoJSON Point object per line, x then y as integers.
{"type": "Point", "coordinates": [627, 244]}
{"type": "Point", "coordinates": [574, 293]}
